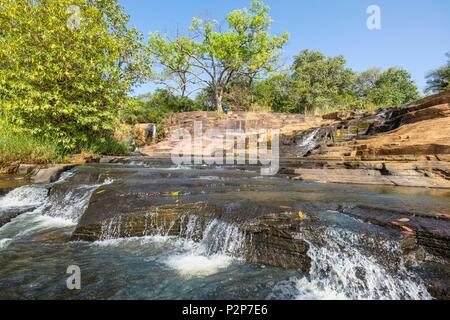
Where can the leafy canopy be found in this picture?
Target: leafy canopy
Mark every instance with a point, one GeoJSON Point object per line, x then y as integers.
{"type": "Point", "coordinates": [214, 57]}
{"type": "Point", "coordinates": [320, 81]}
{"type": "Point", "coordinates": [320, 84]}
{"type": "Point", "coordinates": [394, 87]}
{"type": "Point", "coordinates": [62, 83]}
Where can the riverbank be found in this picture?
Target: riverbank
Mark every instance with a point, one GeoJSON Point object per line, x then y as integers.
{"type": "Point", "coordinates": [406, 146]}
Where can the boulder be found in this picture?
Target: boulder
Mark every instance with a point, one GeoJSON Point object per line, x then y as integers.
{"type": "Point", "coordinates": [25, 169]}
{"type": "Point", "coordinates": [50, 174]}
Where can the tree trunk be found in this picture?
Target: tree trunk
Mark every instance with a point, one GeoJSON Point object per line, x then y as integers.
{"type": "Point", "coordinates": [218, 98]}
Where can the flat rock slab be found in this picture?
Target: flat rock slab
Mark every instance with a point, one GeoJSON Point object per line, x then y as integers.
{"type": "Point", "coordinates": [50, 174]}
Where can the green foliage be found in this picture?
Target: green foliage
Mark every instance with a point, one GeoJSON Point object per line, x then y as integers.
{"type": "Point", "coordinates": [176, 73]}
{"type": "Point", "coordinates": [393, 88]}
{"type": "Point", "coordinates": [367, 81]}
{"type": "Point", "coordinates": [109, 146]}
{"type": "Point", "coordinates": [276, 93]}
{"type": "Point", "coordinates": [18, 145]}
{"type": "Point", "coordinates": [321, 82]}
{"type": "Point", "coordinates": [165, 100]}
{"type": "Point", "coordinates": [64, 84]}
{"type": "Point", "coordinates": [215, 57]}
{"type": "Point", "coordinates": [154, 107]}
{"type": "Point", "coordinates": [439, 79]}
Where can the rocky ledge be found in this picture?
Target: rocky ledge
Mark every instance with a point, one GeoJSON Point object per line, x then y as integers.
{"type": "Point", "coordinates": [37, 174]}
{"type": "Point", "coordinates": [267, 238]}
{"type": "Point", "coordinates": [407, 146]}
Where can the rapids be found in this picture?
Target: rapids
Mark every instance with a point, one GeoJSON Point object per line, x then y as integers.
{"type": "Point", "coordinates": [208, 259]}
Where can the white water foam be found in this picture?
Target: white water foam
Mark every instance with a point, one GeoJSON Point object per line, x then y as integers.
{"type": "Point", "coordinates": [220, 246]}
{"type": "Point", "coordinates": [25, 196]}
{"type": "Point", "coordinates": [74, 203]}
{"type": "Point", "coordinates": [138, 241]}
{"type": "Point", "coordinates": [194, 264]}
{"type": "Point", "coordinates": [341, 271]}
{"type": "Point", "coordinates": [4, 243]}
{"type": "Point", "coordinates": [48, 213]}
{"type": "Point", "coordinates": [309, 139]}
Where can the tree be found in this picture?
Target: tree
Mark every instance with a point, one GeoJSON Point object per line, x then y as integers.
{"type": "Point", "coordinates": [321, 82]}
{"type": "Point", "coordinates": [63, 80]}
{"type": "Point", "coordinates": [366, 81]}
{"type": "Point", "coordinates": [393, 88]}
{"type": "Point", "coordinates": [218, 57]}
{"type": "Point", "coordinates": [439, 79]}
{"type": "Point", "coordinates": [276, 93]}
{"type": "Point", "coordinates": [176, 69]}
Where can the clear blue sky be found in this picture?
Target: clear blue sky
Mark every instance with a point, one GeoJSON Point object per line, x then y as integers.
{"type": "Point", "coordinates": [415, 34]}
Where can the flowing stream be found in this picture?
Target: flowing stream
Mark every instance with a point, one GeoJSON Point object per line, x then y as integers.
{"type": "Point", "coordinates": [206, 260]}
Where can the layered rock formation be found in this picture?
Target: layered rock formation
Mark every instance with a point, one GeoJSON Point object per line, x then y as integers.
{"type": "Point", "coordinates": [256, 233]}
{"type": "Point", "coordinates": [407, 146]}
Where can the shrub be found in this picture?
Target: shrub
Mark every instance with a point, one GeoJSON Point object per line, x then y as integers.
{"type": "Point", "coordinates": [19, 145]}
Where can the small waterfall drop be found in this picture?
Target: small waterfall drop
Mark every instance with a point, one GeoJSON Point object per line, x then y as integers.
{"type": "Point", "coordinates": [72, 202]}
{"type": "Point", "coordinates": [25, 196]}
{"type": "Point", "coordinates": [220, 245]}
{"type": "Point", "coordinates": [342, 270]}
{"type": "Point", "coordinates": [224, 238]}
{"type": "Point", "coordinates": [309, 141]}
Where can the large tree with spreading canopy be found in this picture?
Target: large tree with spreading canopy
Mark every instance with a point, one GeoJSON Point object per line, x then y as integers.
{"type": "Point", "coordinates": [213, 57]}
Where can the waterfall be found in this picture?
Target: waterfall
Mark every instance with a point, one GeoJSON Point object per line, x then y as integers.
{"type": "Point", "coordinates": [309, 142]}
{"type": "Point", "coordinates": [224, 238]}
{"type": "Point", "coordinates": [341, 269]}
{"type": "Point", "coordinates": [309, 139]}
{"type": "Point", "coordinates": [66, 203]}
{"type": "Point", "coordinates": [71, 203]}
{"type": "Point", "coordinates": [26, 196]}
{"type": "Point", "coordinates": [220, 245]}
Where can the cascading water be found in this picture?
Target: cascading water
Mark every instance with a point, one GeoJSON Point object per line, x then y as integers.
{"type": "Point", "coordinates": [219, 247]}
{"type": "Point", "coordinates": [342, 270]}
{"type": "Point", "coordinates": [42, 209]}
{"type": "Point", "coordinates": [71, 203]}
{"type": "Point", "coordinates": [26, 196]}
{"type": "Point", "coordinates": [224, 238]}
{"type": "Point", "coordinates": [220, 243]}
{"type": "Point", "coordinates": [195, 256]}
{"type": "Point", "coordinates": [309, 141]}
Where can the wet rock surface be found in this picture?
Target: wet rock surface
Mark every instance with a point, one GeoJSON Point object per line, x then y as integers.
{"type": "Point", "coordinates": [50, 174]}
{"type": "Point", "coordinates": [361, 241]}
{"type": "Point", "coordinates": [7, 215]}
{"type": "Point", "coordinates": [275, 220]}
{"type": "Point", "coordinates": [406, 146]}
{"type": "Point", "coordinates": [137, 207]}
{"type": "Point", "coordinates": [373, 237]}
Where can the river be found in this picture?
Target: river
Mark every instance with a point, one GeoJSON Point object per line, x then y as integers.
{"type": "Point", "coordinates": [349, 258]}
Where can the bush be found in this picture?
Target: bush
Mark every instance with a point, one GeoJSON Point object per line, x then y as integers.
{"type": "Point", "coordinates": [109, 147]}
{"type": "Point", "coordinates": [64, 84]}
{"type": "Point", "coordinates": [18, 145]}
